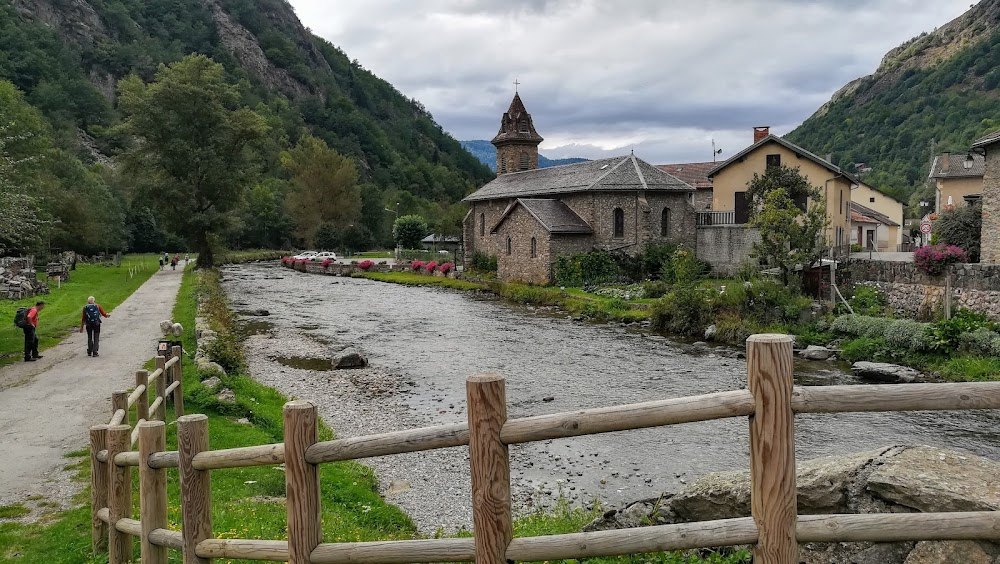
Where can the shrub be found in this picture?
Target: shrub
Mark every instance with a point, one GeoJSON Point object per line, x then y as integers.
{"type": "Point", "coordinates": [417, 265]}
{"type": "Point", "coordinates": [766, 302]}
{"type": "Point", "coordinates": [908, 334]}
{"type": "Point", "coordinates": [855, 248]}
{"type": "Point", "coordinates": [946, 334]}
{"type": "Point", "coordinates": [934, 259]}
{"type": "Point", "coordinates": [654, 256]}
{"type": "Point", "coordinates": [598, 267]}
{"type": "Point", "coordinates": [655, 288]}
{"type": "Point", "coordinates": [686, 310]}
{"type": "Point", "coordinates": [483, 262]}
{"type": "Point", "coordinates": [431, 266]}
{"type": "Point", "coordinates": [365, 264]}
{"type": "Point", "coordinates": [868, 300]}
{"type": "Point", "coordinates": [979, 341]}
{"type": "Point", "coordinates": [684, 268]}
{"type": "Point", "coordinates": [447, 267]}
{"type": "Point", "coordinates": [326, 263]}
{"type": "Point", "coordinates": [633, 292]}
{"type": "Point", "coordinates": [566, 272]}
{"type": "Point", "coordinates": [864, 348]}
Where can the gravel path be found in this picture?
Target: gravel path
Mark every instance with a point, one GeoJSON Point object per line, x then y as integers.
{"type": "Point", "coordinates": [47, 407]}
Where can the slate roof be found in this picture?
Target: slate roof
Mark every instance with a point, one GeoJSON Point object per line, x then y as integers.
{"type": "Point", "coordinates": [870, 215]}
{"type": "Point", "coordinates": [988, 139]}
{"type": "Point", "coordinates": [791, 147]}
{"type": "Point", "coordinates": [511, 121]}
{"type": "Point", "coordinates": [555, 216]}
{"type": "Point", "coordinates": [605, 175]}
{"type": "Point", "coordinates": [956, 166]}
{"type": "Point", "coordinates": [695, 174]}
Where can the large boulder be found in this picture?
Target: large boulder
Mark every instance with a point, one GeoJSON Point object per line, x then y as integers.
{"type": "Point", "coordinates": [349, 358]}
{"type": "Point", "coordinates": [816, 352]}
{"type": "Point", "coordinates": [886, 372]}
{"type": "Point", "coordinates": [887, 480]}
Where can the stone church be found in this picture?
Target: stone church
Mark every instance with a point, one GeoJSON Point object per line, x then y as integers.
{"type": "Point", "coordinates": [528, 216]}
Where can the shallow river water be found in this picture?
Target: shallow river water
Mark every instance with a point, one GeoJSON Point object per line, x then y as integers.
{"type": "Point", "coordinates": [423, 342]}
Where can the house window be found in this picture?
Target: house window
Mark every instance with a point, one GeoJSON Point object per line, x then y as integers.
{"type": "Point", "coordinates": [773, 160]}
{"type": "Point", "coordinates": [482, 225]}
{"type": "Point", "coordinates": [534, 248]}
{"type": "Point", "coordinates": [619, 222]}
{"type": "Point", "coordinates": [841, 202]}
{"type": "Point", "coordinates": [871, 200]}
{"type": "Point", "coordinates": [801, 201]}
{"type": "Point", "coordinates": [665, 222]}
{"type": "Point", "coordinates": [524, 161]}
{"type": "Point", "coordinates": [510, 246]}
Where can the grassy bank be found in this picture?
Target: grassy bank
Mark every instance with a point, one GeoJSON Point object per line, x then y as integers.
{"type": "Point", "coordinates": [111, 285]}
{"type": "Point", "coordinates": [248, 255]}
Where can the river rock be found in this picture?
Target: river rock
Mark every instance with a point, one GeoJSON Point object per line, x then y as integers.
{"type": "Point", "coordinates": [888, 480]}
{"type": "Point", "coordinates": [212, 383]}
{"type": "Point", "coordinates": [711, 331]}
{"type": "Point", "coordinates": [208, 369]}
{"type": "Point", "coordinates": [349, 358]}
{"type": "Point", "coordinates": [226, 396]}
{"type": "Point", "coordinates": [259, 312]}
{"type": "Point", "coordinates": [816, 352]}
{"type": "Point", "coordinates": [886, 372]}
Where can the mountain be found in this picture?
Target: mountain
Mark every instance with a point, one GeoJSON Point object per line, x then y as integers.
{"type": "Point", "coordinates": [937, 92]}
{"type": "Point", "coordinates": [65, 58]}
{"type": "Point", "coordinates": [487, 154]}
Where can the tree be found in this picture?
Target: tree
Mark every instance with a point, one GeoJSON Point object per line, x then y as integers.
{"type": "Point", "coordinates": [324, 188]}
{"type": "Point", "coordinates": [192, 147]}
{"type": "Point", "coordinates": [791, 229]}
{"type": "Point", "coordinates": [962, 227]}
{"type": "Point", "coordinates": [408, 230]}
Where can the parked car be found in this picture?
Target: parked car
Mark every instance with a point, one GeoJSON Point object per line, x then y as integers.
{"type": "Point", "coordinates": [305, 255]}
{"type": "Point", "coordinates": [325, 255]}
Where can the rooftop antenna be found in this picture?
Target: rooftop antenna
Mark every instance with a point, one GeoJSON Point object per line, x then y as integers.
{"type": "Point", "coordinates": [715, 151]}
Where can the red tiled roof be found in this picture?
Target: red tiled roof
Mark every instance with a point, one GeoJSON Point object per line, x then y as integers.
{"type": "Point", "coordinates": [695, 174]}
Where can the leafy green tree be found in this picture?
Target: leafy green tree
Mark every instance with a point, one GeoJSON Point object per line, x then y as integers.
{"type": "Point", "coordinates": [327, 237]}
{"type": "Point", "coordinates": [356, 238]}
{"type": "Point", "coordinates": [791, 229]}
{"type": "Point", "coordinates": [193, 147]}
{"type": "Point", "coordinates": [408, 230]}
{"type": "Point", "coordinates": [962, 227]}
{"type": "Point", "coordinates": [324, 188]}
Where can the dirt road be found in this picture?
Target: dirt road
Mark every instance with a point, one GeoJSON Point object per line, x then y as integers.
{"type": "Point", "coordinates": [47, 407]}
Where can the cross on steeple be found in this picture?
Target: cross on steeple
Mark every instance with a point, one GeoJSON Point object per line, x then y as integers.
{"type": "Point", "coordinates": [516, 83]}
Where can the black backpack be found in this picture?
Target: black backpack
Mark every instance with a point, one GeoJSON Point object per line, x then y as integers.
{"type": "Point", "coordinates": [92, 313]}
{"type": "Point", "coordinates": [21, 317]}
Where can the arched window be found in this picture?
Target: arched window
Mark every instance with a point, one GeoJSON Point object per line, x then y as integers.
{"type": "Point", "coordinates": [665, 222]}
{"type": "Point", "coordinates": [619, 222]}
{"type": "Point", "coordinates": [534, 248]}
{"type": "Point", "coordinates": [524, 162]}
{"type": "Point", "coordinates": [510, 245]}
{"type": "Point", "coordinates": [482, 225]}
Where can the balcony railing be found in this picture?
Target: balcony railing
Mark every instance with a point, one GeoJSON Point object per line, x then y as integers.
{"type": "Point", "coordinates": [707, 218]}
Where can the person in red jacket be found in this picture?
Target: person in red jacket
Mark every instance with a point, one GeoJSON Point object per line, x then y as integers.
{"type": "Point", "coordinates": [91, 319]}
{"type": "Point", "coordinates": [31, 333]}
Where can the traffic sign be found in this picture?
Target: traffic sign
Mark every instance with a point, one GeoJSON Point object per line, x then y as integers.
{"type": "Point", "coordinates": [925, 227]}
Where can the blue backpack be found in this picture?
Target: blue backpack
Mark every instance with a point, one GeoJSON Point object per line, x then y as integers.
{"type": "Point", "coordinates": [92, 313]}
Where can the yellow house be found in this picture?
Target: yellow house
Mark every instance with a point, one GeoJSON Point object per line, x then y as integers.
{"type": "Point", "coordinates": [730, 179]}
{"type": "Point", "coordinates": [871, 198]}
{"type": "Point", "coordinates": [956, 177]}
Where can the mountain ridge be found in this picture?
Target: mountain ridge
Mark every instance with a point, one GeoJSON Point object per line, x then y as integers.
{"type": "Point", "coordinates": [487, 154]}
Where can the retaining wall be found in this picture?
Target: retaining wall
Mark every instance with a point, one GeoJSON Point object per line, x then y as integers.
{"type": "Point", "coordinates": [725, 247]}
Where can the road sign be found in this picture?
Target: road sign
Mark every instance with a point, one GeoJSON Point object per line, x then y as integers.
{"type": "Point", "coordinates": [925, 227]}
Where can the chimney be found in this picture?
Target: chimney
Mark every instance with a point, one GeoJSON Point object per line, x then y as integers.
{"type": "Point", "coordinates": [945, 165]}
{"type": "Point", "coordinates": [760, 132]}
{"type": "Point", "coordinates": [829, 158]}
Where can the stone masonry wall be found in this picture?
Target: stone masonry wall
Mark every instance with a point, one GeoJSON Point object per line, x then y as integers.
{"type": "Point", "coordinates": [520, 265]}
{"type": "Point", "coordinates": [725, 247]}
{"type": "Point", "coordinates": [914, 293]}
{"type": "Point", "coordinates": [991, 206]}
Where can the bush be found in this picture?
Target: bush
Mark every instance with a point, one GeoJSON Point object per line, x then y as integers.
{"type": "Point", "coordinates": [864, 348]}
{"type": "Point", "coordinates": [365, 264]}
{"type": "Point", "coordinates": [447, 267]}
{"type": "Point", "coordinates": [598, 267]}
{"type": "Point", "coordinates": [566, 272]}
{"type": "Point", "coordinates": [908, 334]}
{"type": "Point", "coordinates": [934, 259]}
{"type": "Point", "coordinates": [686, 310]}
{"type": "Point", "coordinates": [655, 288]}
{"type": "Point", "coordinates": [868, 300]}
{"type": "Point", "coordinates": [431, 266]}
{"type": "Point", "coordinates": [962, 227]}
{"type": "Point", "coordinates": [947, 333]}
{"type": "Point", "coordinates": [654, 256]}
{"type": "Point", "coordinates": [855, 248]}
{"type": "Point", "coordinates": [979, 341]}
{"type": "Point", "coordinates": [633, 292]}
{"type": "Point", "coordinates": [326, 263]}
{"type": "Point", "coordinates": [417, 265]}
{"type": "Point", "coordinates": [483, 262]}
{"type": "Point", "coordinates": [684, 268]}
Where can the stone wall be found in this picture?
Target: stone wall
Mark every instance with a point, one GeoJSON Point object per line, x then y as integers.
{"type": "Point", "coordinates": [991, 206]}
{"type": "Point", "coordinates": [18, 279]}
{"type": "Point", "coordinates": [521, 264]}
{"type": "Point", "coordinates": [914, 293]}
{"type": "Point", "coordinates": [725, 247]}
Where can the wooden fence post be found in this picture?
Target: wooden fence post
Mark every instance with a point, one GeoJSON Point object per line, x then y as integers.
{"type": "Point", "coordinates": [98, 488]}
{"type": "Point", "coordinates": [772, 448]}
{"type": "Point", "coordinates": [178, 377]}
{"type": "Point", "coordinates": [161, 390]}
{"type": "Point", "coordinates": [301, 481]}
{"type": "Point", "coordinates": [120, 494]}
{"type": "Point", "coordinates": [152, 490]}
{"type": "Point", "coordinates": [196, 489]}
{"type": "Point", "coordinates": [491, 519]}
{"type": "Point", "coordinates": [142, 404]}
{"type": "Point", "coordinates": [119, 400]}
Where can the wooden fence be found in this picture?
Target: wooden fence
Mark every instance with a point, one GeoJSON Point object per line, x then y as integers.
{"type": "Point", "coordinates": [770, 403]}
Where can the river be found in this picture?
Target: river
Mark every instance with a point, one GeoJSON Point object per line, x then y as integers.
{"type": "Point", "coordinates": [423, 342]}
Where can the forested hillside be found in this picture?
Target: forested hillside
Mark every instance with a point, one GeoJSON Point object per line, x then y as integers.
{"type": "Point", "coordinates": [937, 92]}
{"type": "Point", "coordinates": [66, 140]}
{"type": "Point", "coordinates": [487, 154]}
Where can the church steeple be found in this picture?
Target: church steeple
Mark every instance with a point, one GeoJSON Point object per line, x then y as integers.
{"type": "Point", "coordinates": [517, 141]}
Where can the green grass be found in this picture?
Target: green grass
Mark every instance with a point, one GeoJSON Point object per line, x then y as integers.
{"type": "Point", "coordinates": [109, 284]}
{"type": "Point", "coordinates": [970, 368]}
{"type": "Point", "coordinates": [13, 511]}
{"type": "Point", "coordinates": [411, 279]}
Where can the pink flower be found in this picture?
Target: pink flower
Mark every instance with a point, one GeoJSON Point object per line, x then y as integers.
{"type": "Point", "coordinates": [446, 267]}
{"type": "Point", "coordinates": [417, 265]}
{"type": "Point", "coordinates": [936, 258]}
{"type": "Point", "coordinates": [365, 264]}
{"type": "Point", "coordinates": [326, 263]}
{"type": "Point", "coordinates": [431, 266]}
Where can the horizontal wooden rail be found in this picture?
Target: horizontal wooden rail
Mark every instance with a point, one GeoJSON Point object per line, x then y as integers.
{"type": "Point", "coordinates": [129, 526]}
{"type": "Point", "coordinates": [898, 527]}
{"type": "Point", "coordinates": [153, 407]}
{"type": "Point", "coordinates": [130, 458]}
{"type": "Point", "coordinates": [896, 397]}
{"type": "Point", "coordinates": [118, 417]}
{"type": "Point", "coordinates": [134, 396]}
{"type": "Point", "coordinates": [170, 389]}
{"type": "Point", "coordinates": [171, 362]}
{"type": "Point", "coordinates": [165, 459]}
{"type": "Point", "coordinates": [153, 376]}
{"type": "Point", "coordinates": [135, 431]}
{"type": "Point", "coordinates": [261, 455]}
{"type": "Point", "coordinates": [167, 538]}
{"type": "Point", "coordinates": [396, 442]}
{"type": "Point", "coordinates": [269, 550]}
{"type": "Point", "coordinates": [104, 514]}
{"type": "Point", "coordinates": [737, 403]}
{"type": "Point", "coordinates": [401, 552]}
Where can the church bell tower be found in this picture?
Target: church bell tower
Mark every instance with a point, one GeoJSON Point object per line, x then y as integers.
{"type": "Point", "coordinates": [517, 142]}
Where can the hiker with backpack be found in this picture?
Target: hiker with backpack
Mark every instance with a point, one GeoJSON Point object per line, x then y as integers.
{"type": "Point", "coordinates": [27, 320]}
{"type": "Point", "coordinates": [91, 319]}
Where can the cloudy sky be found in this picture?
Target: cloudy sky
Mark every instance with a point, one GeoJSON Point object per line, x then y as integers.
{"type": "Point", "coordinates": [600, 78]}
